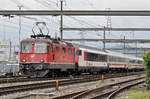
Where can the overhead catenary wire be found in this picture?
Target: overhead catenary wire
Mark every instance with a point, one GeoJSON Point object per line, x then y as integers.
{"type": "Point", "coordinates": [48, 5]}
{"type": "Point", "coordinates": [55, 7]}
{"type": "Point", "coordinates": [53, 3]}
{"type": "Point", "coordinates": [78, 20]}
{"type": "Point", "coordinates": [39, 18]}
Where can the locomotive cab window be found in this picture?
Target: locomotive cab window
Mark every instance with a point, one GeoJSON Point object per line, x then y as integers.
{"type": "Point", "coordinates": [78, 52]}
{"type": "Point", "coordinates": [41, 48]}
{"type": "Point", "coordinates": [26, 47]}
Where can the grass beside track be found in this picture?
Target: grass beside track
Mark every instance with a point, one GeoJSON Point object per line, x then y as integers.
{"type": "Point", "coordinates": [138, 94]}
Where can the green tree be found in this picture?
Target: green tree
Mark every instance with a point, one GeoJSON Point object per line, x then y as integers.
{"type": "Point", "coordinates": [146, 58]}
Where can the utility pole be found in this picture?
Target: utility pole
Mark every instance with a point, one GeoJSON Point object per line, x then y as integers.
{"type": "Point", "coordinates": [19, 6]}
{"type": "Point", "coordinates": [104, 39]}
{"type": "Point", "coordinates": [61, 20]}
{"type": "Point", "coordinates": [108, 20]}
{"type": "Point", "coordinates": [124, 46]}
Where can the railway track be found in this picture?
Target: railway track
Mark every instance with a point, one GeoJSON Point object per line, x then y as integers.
{"type": "Point", "coordinates": [50, 84]}
{"type": "Point", "coordinates": [107, 91]}
{"type": "Point", "coordinates": [116, 92]}
{"type": "Point", "coordinates": [24, 79]}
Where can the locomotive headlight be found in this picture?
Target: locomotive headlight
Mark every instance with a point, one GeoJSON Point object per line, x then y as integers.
{"type": "Point", "coordinates": [42, 61]}
{"type": "Point", "coordinates": [23, 60]}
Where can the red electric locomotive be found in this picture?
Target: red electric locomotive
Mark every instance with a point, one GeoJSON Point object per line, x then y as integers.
{"type": "Point", "coordinates": [41, 56]}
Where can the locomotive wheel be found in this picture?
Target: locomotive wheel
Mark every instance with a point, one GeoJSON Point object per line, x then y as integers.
{"type": "Point", "coordinates": [40, 73]}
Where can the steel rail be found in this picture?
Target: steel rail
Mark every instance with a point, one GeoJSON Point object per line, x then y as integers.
{"type": "Point", "coordinates": [24, 79]}
{"type": "Point", "coordinates": [112, 96]}
{"type": "Point", "coordinates": [16, 80]}
{"type": "Point", "coordinates": [89, 92]}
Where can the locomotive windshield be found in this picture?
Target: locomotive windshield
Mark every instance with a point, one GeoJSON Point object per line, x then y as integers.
{"type": "Point", "coordinates": [26, 47]}
{"type": "Point", "coordinates": [42, 48]}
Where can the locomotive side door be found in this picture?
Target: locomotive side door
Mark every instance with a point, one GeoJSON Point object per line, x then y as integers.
{"type": "Point", "coordinates": [50, 51]}
{"type": "Point", "coordinates": [56, 53]}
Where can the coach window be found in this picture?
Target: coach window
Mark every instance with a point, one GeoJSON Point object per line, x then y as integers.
{"type": "Point", "coordinates": [57, 48]}
{"type": "Point", "coordinates": [102, 58]}
{"type": "Point", "coordinates": [88, 56]}
{"type": "Point", "coordinates": [69, 51]}
{"type": "Point", "coordinates": [78, 52]}
{"type": "Point", "coordinates": [95, 57]}
{"type": "Point", "coordinates": [124, 60]}
{"type": "Point", "coordinates": [133, 61]}
{"type": "Point", "coordinates": [140, 62]}
{"type": "Point", "coordinates": [119, 59]}
{"type": "Point", "coordinates": [64, 49]}
{"type": "Point", "coordinates": [92, 57]}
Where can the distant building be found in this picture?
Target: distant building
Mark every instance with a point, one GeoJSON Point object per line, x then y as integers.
{"type": "Point", "coordinates": [5, 51]}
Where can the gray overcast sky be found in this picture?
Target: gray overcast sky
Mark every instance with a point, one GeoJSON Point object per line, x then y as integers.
{"type": "Point", "coordinates": [9, 27]}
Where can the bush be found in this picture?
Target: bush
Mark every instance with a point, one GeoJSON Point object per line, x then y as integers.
{"type": "Point", "coordinates": [146, 58]}
{"type": "Point", "coordinates": [137, 94]}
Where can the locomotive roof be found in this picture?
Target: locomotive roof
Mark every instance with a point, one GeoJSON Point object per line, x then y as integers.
{"type": "Point", "coordinates": [48, 40]}
{"type": "Point", "coordinates": [39, 39]}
